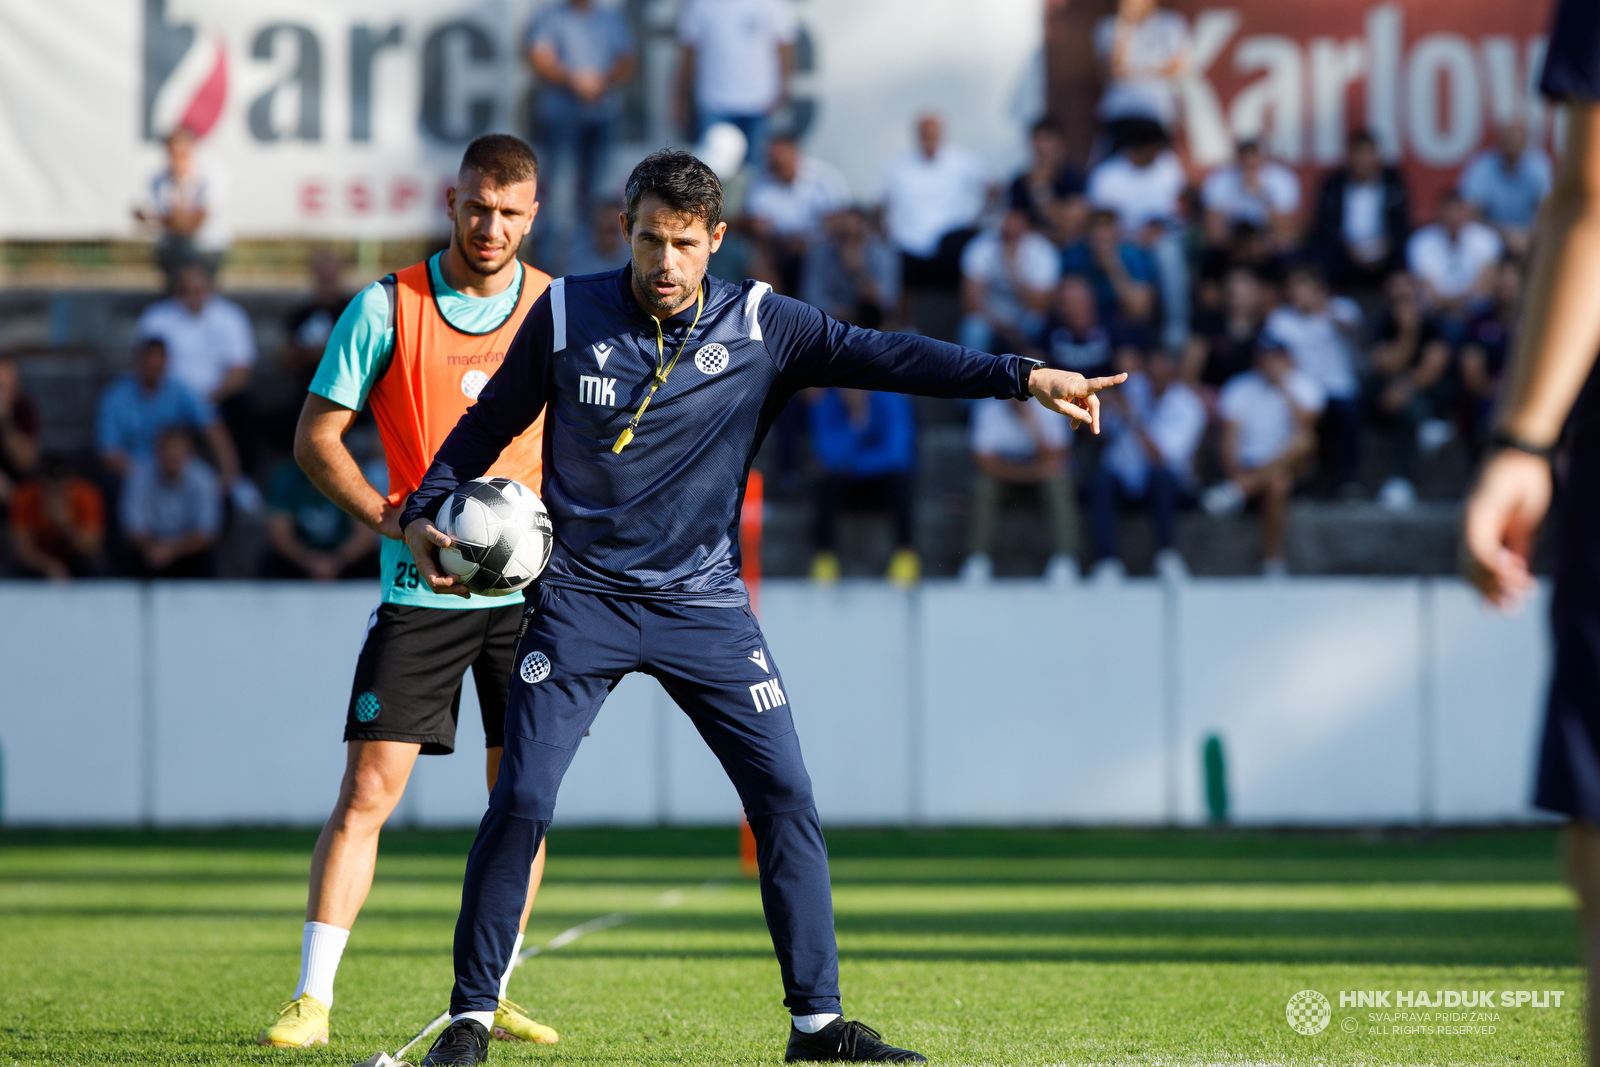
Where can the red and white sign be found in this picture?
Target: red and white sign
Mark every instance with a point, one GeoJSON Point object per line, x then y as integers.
{"type": "Point", "coordinates": [1432, 79]}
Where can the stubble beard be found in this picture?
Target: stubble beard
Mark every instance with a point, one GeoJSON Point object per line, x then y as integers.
{"type": "Point", "coordinates": [483, 270]}
{"type": "Point", "coordinates": [647, 295]}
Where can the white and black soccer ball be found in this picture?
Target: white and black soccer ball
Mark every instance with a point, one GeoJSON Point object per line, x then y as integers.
{"type": "Point", "coordinates": [502, 535]}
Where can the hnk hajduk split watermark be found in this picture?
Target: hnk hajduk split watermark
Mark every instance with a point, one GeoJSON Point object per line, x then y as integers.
{"type": "Point", "coordinates": [1428, 1013]}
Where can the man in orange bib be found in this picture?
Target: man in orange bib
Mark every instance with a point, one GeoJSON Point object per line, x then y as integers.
{"type": "Point", "coordinates": [417, 346]}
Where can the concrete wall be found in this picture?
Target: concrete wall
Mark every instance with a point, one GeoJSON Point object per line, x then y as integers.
{"type": "Point", "coordinates": [1338, 701]}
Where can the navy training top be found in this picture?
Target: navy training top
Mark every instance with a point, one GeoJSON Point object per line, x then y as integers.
{"type": "Point", "coordinates": [1572, 63]}
{"type": "Point", "coordinates": [660, 520]}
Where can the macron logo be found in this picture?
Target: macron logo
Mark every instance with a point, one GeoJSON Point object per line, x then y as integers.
{"type": "Point", "coordinates": [759, 658]}
{"type": "Point", "coordinates": [602, 352]}
{"type": "Point", "coordinates": [767, 695]}
{"type": "Point", "coordinates": [596, 390]}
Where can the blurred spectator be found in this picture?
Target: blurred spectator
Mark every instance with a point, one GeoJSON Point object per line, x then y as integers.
{"type": "Point", "coordinates": [211, 345]}
{"type": "Point", "coordinates": [1142, 50]}
{"type": "Point", "coordinates": [1224, 342]}
{"type": "Point", "coordinates": [1144, 185]}
{"type": "Point", "coordinates": [190, 206]}
{"type": "Point", "coordinates": [1252, 189]}
{"type": "Point", "coordinates": [602, 248]}
{"type": "Point", "coordinates": [306, 328]}
{"type": "Point", "coordinates": [1018, 444]}
{"type": "Point", "coordinates": [582, 52]}
{"type": "Point", "coordinates": [19, 431]}
{"type": "Point", "coordinates": [279, 398]}
{"type": "Point", "coordinates": [931, 200]}
{"type": "Point", "coordinates": [786, 206]}
{"type": "Point", "coordinates": [866, 445]}
{"type": "Point", "coordinates": [211, 348]}
{"type": "Point", "coordinates": [144, 403]}
{"type": "Point", "coordinates": [1008, 275]}
{"type": "Point", "coordinates": [1075, 338]}
{"type": "Point", "coordinates": [1121, 273]}
{"type": "Point", "coordinates": [1267, 443]}
{"type": "Point", "coordinates": [1320, 333]}
{"type": "Point", "coordinates": [1050, 191]}
{"type": "Point", "coordinates": [58, 523]}
{"type": "Point", "coordinates": [1484, 352]}
{"type": "Point", "coordinates": [736, 59]}
{"type": "Point", "coordinates": [309, 536]}
{"type": "Point", "coordinates": [851, 273]}
{"type": "Point", "coordinates": [1363, 216]}
{"type": "Point", "coordinates": [172, 510]}
{"type": "Point", "coordinates": [1506, 184]}
{"type": "Point", "coordinates": [1410, 359]}
{"type": "Point", "coordinates": [1454, 259]}
{"type": "Point", "coordinates": [1154, 425]}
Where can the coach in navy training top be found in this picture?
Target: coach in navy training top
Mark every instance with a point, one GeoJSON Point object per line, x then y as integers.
{"type": "Point", "coordinates": [658, 384]}
{"type": "Point", "coordinates": [659, 519]}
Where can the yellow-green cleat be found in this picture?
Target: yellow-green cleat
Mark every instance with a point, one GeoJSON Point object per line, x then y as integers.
{"type": "Point", "coordinates": [511, 1025]}
{"type": "Point", "coordinates": [301, 1022]}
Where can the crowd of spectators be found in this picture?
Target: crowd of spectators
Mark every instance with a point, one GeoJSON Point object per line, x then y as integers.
{"type": "Point", "coordinates": [1281, 339]}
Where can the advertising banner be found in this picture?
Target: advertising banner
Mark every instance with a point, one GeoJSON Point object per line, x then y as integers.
{"type": "Point", "coordinates": [346, 118]}
{"type": "Point", "coordinates": [1432, 79]}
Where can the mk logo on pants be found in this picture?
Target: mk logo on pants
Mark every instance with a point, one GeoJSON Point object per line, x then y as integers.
{"type": "Point", "coordinates": [592, 389]}
{"type": "Point", "coordinates": [767, 695]}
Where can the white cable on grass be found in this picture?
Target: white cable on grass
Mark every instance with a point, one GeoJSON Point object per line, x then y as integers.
{"type": "Point", "coordinates": [670, 899]}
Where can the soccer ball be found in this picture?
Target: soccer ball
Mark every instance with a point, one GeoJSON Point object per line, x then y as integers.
{"type": "Point", "coordinates": [502, 535]}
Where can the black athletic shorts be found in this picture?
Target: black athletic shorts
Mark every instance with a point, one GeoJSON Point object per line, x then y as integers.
{"type": "Point", "coordinates": [1569, 753]}
{"type": "Point", "coordinates": [408, 678]}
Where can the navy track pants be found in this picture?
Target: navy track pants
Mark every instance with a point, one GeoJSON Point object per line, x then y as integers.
{"type": "Point", "coordinates": [714, 663]}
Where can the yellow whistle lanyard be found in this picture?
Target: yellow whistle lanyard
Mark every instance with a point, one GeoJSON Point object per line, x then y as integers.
{"type": "Point", "coordinates": [662, 369]}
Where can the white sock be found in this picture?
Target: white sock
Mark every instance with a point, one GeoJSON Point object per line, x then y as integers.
{"type": "Point", "coordinates": [321, 947]}
{"type": "Point", "coordinates": [505, 979]}
{"type": "Point", "coordinates": [810, 1024]}
{"type": "Point", "coordinates": [483, 1018]}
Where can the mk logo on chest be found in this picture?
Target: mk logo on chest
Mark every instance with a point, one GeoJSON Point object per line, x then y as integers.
{"type": "Point", "coordinates": [593, 389]}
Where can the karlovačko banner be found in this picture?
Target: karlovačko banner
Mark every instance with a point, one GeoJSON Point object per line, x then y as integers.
{"type": "Point", "coordinates": [1432, 80]}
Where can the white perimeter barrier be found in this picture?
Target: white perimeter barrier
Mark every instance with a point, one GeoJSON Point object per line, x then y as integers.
{"type": "Point", "coordinates": [1338, 701]}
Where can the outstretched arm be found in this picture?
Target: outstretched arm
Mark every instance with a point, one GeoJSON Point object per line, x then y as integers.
{"type": "Point", "coordinates": [1555, 351]}
{"type": "Point", "coordinates": [815, 350]}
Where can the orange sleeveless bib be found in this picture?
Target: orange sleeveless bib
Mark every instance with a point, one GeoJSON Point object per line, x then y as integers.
{"type": "Point", "coordinates": [435, 374]}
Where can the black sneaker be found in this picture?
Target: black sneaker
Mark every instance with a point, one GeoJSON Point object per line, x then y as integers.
{"type": "Point", "coordinates": [846, 1040]}
{"type": "Point", "coordinates": [464, 1043]}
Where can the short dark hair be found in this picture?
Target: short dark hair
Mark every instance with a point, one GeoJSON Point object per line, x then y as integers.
{"type": "Point", "coordinates": [1361, 138]}
{"type": "Point", "coordinates": [143, 344]}
{"type": "Point", "coordinates": [1306, 268]}
{"type": "Point", "coordinates": [681, 182]}
{"type": "Point", "coordinates": [502, 158]}
{"type": "Point", "coordinates": [1047, 125]}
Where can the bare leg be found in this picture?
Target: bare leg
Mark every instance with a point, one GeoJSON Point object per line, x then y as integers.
{"type": "Point", "coordinates": [536, 872]}
{"type": "Point", "coordinates": [375, 776]}
{"type": "Point", "coordinates": [1583, 870]}
{"type": "Point", "coordinates": [1275, 513]}
{"type": "Point", "coordinates": [1274, 483]}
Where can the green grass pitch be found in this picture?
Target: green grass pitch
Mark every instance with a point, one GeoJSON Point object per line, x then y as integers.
{"type": "Point", "coordinates": [974, 947]}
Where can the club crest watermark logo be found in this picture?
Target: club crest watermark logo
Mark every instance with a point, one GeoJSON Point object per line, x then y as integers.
{"type": "Point", "coordinates": [711, 359]}
{"type": "Point", "coordinates": [535, 668]}
{"type": "Point", "coordinates": [472, 383]}
{"type": "Point", "coordinates": [1308, 1012]}
{"type": "Point", "coordinates": [367, 707]}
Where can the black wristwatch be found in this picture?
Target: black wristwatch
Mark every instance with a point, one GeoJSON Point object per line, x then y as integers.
{"type": "Point", "coordinates": [1025, 367]}
{"type": "Point", "coordinates": [1500, 440]}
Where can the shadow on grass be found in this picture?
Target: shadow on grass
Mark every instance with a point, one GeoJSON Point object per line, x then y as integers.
{"type": "Point", "coordinates": [1530, 843]}
{"type": "Point", "coordinates": [1479, 937]}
